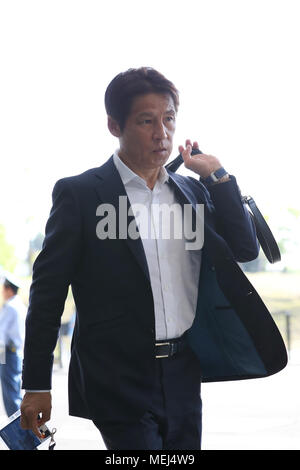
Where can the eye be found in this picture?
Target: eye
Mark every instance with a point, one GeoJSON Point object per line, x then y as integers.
{"type": "Point", "coordinates": [170, 118]}
{"type": "Point", "coordinates": [146, 121]}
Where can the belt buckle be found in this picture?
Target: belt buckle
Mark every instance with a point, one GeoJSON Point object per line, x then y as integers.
{"type": "Point", "coordinates": [162, 344]}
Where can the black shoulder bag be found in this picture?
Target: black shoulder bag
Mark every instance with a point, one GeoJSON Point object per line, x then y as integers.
{"type": "Point", "coordinates": [264, 234]}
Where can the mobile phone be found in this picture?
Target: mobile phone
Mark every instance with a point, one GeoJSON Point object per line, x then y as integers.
{"type": "Point", "coordinates": [16, 438]}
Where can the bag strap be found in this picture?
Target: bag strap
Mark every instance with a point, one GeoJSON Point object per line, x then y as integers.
{"type": "Point", "coordinates": [264, 234]}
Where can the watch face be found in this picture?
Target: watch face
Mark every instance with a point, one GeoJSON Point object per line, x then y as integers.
{"type": "Point", "coordinates": [216, 175]}
{"type": "Point", "coordinates": [212, 178]}
{"type": "Point", "coordinates": [219, 173]}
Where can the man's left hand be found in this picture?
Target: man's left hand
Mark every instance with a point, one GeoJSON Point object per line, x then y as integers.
{"type": "Point", "coordinates": [201, 164]}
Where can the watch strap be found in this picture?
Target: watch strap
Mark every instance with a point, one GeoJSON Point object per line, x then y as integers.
{"type": "Point", "coordinates": [215, 176]}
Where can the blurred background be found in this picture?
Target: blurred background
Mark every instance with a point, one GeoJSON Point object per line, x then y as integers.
{"type": "Point", "coordinates": [236, 65]}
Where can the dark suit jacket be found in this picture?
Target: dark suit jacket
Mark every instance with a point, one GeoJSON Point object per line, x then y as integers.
{"type": "Point", "coordinates": [112, 360]}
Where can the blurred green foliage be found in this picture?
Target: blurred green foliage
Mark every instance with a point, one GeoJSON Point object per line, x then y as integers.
{"type": "Point", "coordinates": [8, 259]}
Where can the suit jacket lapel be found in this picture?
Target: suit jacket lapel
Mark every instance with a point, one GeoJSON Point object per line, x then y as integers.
{"type": "Point", "coordinates": [214, 245]}
{"type": "Point", "coordinates": [185, 195]}
{"type": "Point", "coordinates": [109, 188]}
{"type": "Point", "coordinates": [183, 192]}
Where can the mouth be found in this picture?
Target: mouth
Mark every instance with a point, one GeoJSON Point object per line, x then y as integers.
{"type": "Point", "coordinates": [162, 150]}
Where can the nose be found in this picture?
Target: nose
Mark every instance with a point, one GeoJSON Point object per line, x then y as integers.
{"type": "Point", "coordinates": [160, 131]}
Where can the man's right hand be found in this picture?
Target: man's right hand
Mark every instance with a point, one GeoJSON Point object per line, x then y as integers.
{"type": "Point", "coordinates": [35, 410]}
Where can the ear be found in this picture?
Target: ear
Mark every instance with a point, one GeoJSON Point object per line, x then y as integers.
{"type": "Point", "coordinates": [113, 127]}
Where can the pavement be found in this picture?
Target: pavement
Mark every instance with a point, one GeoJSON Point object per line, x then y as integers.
{"type": "Point", "coordinates": [258, 414]}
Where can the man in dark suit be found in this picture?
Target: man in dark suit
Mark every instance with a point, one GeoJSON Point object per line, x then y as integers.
{"type": "Point", "coordinates": [155, 317]}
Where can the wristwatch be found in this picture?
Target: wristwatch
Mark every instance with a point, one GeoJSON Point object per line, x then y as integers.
{"type": "Point", "coordinates": [215, 176]}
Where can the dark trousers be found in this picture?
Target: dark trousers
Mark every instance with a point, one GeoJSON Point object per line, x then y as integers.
{"type": "Point", "coordinates": [10, 375]}
{"type": "Point", "coordinates": [174, 419]}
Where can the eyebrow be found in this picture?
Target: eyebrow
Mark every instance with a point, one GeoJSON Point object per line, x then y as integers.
{"type": "Point", "coordinates": [170, 111]}
{"type": "Point", "coordinates": [150, 114]}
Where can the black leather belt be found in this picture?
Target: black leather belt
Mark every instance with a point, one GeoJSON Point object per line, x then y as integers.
{"type": "Point", "coordinates": [169, 348]}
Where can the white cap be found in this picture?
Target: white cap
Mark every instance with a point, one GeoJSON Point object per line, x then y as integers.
{"type": "Point", "coordinates": [12, 279]}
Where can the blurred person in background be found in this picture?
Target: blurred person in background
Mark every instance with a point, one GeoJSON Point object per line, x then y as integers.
{"type": "Point", "coordinates": [12, 331]}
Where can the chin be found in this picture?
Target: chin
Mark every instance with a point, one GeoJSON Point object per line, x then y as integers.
{"type": "Point", "coordinates": [161, 158]}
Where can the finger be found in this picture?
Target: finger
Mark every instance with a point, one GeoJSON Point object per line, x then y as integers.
{"type": "Point", "coordinates": [186, 152]}
{"type": "Point", "coordinates": [182, 149]}
{"type": "Point", "coordinates": [186, 155]}
{"type": "Point", "coordinates": [44, 417]}
{"type": "Point", "coordinates": [23, 422]}
{"type": "Point", "coordinates": [34, 426]}
{"type": "Point", "coordinates": [194, 145]}
{"type": "Point", "coordinates": [37, 432]}
{"type": "Point", "coordinates": [31, 421]}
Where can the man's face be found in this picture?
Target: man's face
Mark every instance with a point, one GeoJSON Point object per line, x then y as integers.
{"type": "Point", "coordinates": [147, 138]}
{"type": "Point", "coordinates": [6, 293]}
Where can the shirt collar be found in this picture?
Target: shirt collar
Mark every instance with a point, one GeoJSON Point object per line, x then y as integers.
{"type": "Point", "coordinates": [128, 175]}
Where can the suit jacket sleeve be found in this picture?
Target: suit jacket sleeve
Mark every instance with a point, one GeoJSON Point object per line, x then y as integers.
{"type": "Point", "coordinates": [233, 220]}
{"type": "Point", "coordinates": [52, 275]}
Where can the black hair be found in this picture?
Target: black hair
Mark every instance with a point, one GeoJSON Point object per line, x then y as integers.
{"type": "Point", "coordinates": [9, 285]}
{"type": "Point", "coordinates": [122, 90]}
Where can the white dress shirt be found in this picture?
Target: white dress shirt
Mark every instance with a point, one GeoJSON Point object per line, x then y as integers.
{"type": "Point", "coordinates": [174, 270]}
{"type": "Point", "coordinates": [12, 323]}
